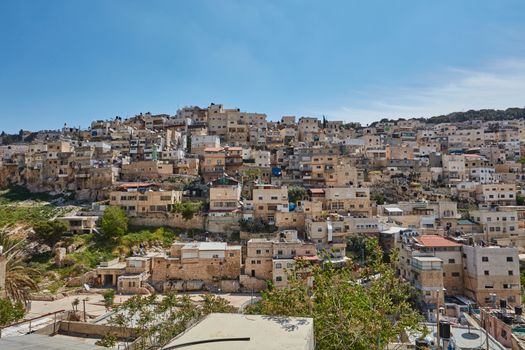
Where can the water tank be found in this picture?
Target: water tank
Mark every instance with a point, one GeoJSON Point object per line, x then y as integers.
{"type": "Point", "coordinates": [503, 303]}
{"type": "Point", "coordinates": [422, 344]}
{"type": "Point", "coordinates": [518, 310]}
{"type": "Point", "coordinates": [444, 330]}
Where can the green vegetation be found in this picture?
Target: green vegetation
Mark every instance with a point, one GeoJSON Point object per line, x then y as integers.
{"type": "Point", "coordinates": [50, 232]}
{"type": "Point", "coordinates": [20, 193]}
{"type": "Point", "coordinates": [10, 312]}
{"type": "Point", "coordinates": [179, 313]}
{"type": "Point", "coordinates": [114, 222]}
{"type": "Point", "coordinates": [109, 298]}
{"type": "Point", "coordinates": [347, 312]}
{"type": "Point", "coordinates": [460, 117]}
{"type": "Point", "coordinates": [520, 200]}
{"type": "Point", "coordinates": [19, 278]}
{"type": "Point", "coordinates": [187, 209]}
{"type": "Point", "coordinates": [296, 193]}
{"type": "Point", "coordinates": [15, 214]}
{"type": "Point", "coordinates": [91, 251]}
{"type": "Point", "coordinates": [378, 198]}
{"type": "Point", "coordinates": [256, 226]}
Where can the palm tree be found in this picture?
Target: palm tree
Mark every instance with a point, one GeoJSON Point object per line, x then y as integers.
{"type": "Point", "coordinates": [19, 278]}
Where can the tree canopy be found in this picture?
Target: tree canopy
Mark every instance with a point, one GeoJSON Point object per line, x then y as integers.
{"type": "Point", "coordinates": [10, 312]}
{"type": "Point", "coordinates": [50, 232]}
{"type": "Point", "coordinates": [351, 310]}
{"type": "Point", "coordinates": [114, 222]}
{"type": "Point", "coordinates": [296, 193]}
{"type": "Point", "coordinates": [159, 321]}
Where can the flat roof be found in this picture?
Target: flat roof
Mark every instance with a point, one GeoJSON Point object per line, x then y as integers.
{"type": "Point", "coordinates": [436, 241]}
{"type": "Point", "coordinates": [427, 258]}
{"type": "Point", "coordinates": [265, 332]}
{"type": "Point", "coordinates": [43, 342]}
{"type": "Point", "coordinates": [394, 210]}
{"type": "Point", "coordinates": [206, 246]}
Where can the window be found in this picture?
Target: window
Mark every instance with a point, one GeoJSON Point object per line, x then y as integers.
{"type": "Point", "coordinates": [278, 265]}
{"type": "Point", "coordinates": [511, 273]}
{"type": "Point", "coordinates": [486, 272]}
{"type": "Point", "coordinates": [215, 256]}
{"type": "Point", "coordinates": [455, 274]}
{"type": "Point", "coordinates": [451, 261]}
{"type": "Point", "coordinates": [485, 258]}
{"type": "Point", "coordinates": [279, 252]}
{"type": "Point", "coordinates": [509, 258]}
{"type": "Point", "coordinates": [258, 251]}
{"type": "Point", "coordinates": [278, 279]}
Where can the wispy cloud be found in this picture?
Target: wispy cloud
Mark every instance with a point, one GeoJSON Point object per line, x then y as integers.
{"type": "Point", "coordinates": [499, 85]}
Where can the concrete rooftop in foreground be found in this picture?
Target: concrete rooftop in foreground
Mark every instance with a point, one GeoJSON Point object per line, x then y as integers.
{"type": "Point", "coordinates": [265, 332]}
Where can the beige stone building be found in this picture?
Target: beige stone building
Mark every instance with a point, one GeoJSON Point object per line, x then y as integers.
{"type": "Point", "coordinates": [268, 200]}
{"type": "Point", "coordinates": [213, 165]}
{"type": "Point", "coordinates": [497, 194]}
{"type": "Point", "coordinates": [142, 198]}
{"type": "Point", "coordinates": [329, 234]}
{"type": "Point", "coordinates": [492, 270]}
{"type": "Point", "coordinates": [206, 262]}
{"type": "Point", "coordinates": [146, 170]}
{"type": "Point", "coordinates": [343, 200]}
{"type": "Point", "coordinates": [272, 260]}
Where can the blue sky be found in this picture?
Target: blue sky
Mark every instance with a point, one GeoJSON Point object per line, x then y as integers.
{"type": "Point", "coordinates": [74, 61]}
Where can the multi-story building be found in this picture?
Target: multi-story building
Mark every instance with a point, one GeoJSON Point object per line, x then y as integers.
{"type": "Point", "coordinates": [268, 199]}
{"type": "Point", "coordinates": [139, 199]}
{"type": "Point", "coordinates": [492, 270]}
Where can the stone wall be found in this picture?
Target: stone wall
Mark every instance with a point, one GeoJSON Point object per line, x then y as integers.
{"type": "Point", "coordinates": [249, 284]}
{"type": "Point", "coordinates": [174, 220]}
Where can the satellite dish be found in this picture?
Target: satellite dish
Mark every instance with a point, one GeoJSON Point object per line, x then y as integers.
{"type": "Point", "coordinates": [87, 287]}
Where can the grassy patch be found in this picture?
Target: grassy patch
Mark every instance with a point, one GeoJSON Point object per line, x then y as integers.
{"type": "Point", "coordinates": [20, 193]}
{"type": "Point", "coordinates": [96, 250]}
{"type": "Point", "coordinates": [11, 214]}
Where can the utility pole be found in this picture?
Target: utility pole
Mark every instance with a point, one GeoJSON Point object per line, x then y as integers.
{"type": "Point", "coordinates": [84, 306]}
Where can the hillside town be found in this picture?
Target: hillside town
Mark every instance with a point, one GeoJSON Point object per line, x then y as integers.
{"type": "Point", "coordinates": [251, 199]}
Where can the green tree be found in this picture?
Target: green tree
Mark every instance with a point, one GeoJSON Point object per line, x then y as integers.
{"type": "Point", "coordinates": [187, 209]}
{"type": "Point", "coordinates": [109, 298]}
{"type": "Point", "coordinates": [378, 198]}
{"type": "Point", "coordinates": [50, 232]}
{"type": "Point", "coordinates": [520, 200]}
{"type": "Point", "coordinates": [178, 314]}
{"type": "Point", "coordinates": [19, 278]}
{"type": "Point", "coordinates": [10, 312]}
{"type": "Point", "coordinates": [348, 312]}
{"type": "Point", "coordinates": [296, 193]}
{"type": "Point", "coordinates": [114, 222]}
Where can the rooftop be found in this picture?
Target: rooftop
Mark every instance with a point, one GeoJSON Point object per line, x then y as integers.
{"type": "Point", "coordinates": [436, 241]}
{"type": "Point", "coordinates": [43, 342]}
{"type": "Point", "coordinates": [264, 332]}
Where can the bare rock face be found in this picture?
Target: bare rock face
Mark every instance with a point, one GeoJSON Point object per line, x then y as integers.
{"type": "Point", "coordinates": [60, 254]}
{"type": "Point", "coordinates": [71, 248]}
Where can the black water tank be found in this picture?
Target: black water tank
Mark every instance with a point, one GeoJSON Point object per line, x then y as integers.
{"type": "Point", "coordinates": [518, 310]}
{"type": "Point", "coordinates": [503, 303]}
{"type": "Point", "coordinates": [421, 344]}
{"type": "Point", "coordinates": [444, 330]}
